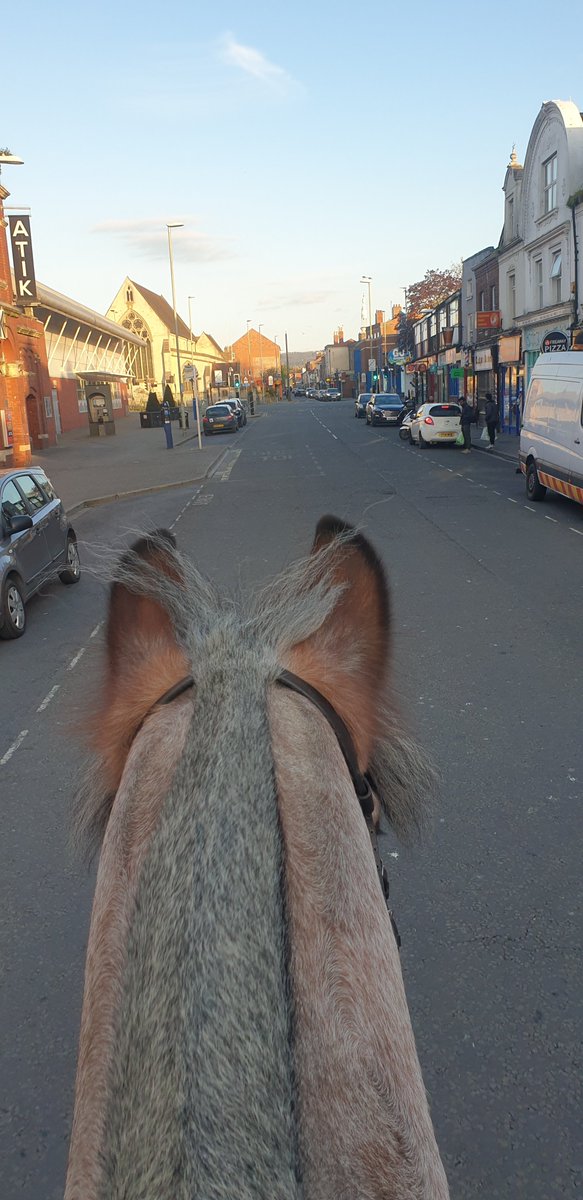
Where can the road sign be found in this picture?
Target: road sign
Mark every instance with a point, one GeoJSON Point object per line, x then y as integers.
{"type": "Point", "coordinates": [372, 364]}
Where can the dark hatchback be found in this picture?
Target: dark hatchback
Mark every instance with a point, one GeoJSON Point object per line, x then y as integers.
{"type": "Point", "coordinates": [385, 409]}
{"type": "Point", "coordinates": [220, 418]}
{"type": "Point", "coordinates": [37, 543]}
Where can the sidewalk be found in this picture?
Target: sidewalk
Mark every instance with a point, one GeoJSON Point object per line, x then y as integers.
{"type": "Point", "coordinates": [86, 470]}
{"type": "Point", "coordinates": [505, 446]}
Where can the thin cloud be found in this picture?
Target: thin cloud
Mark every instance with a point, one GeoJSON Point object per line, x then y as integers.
{"type": "Point", "coordinates": [253, 62]}
{"type": "Point", "coordinates": [147, 236]}
{"type": "Point", "coordinates": [295, 298]}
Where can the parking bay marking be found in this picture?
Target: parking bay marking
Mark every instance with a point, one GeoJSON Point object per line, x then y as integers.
{"type": "Point", "coordinates": [13, 748]}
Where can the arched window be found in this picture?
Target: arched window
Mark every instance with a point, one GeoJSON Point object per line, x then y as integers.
{"type": "Point", "coordinates": [130, 295]}
{"type": "Point", "coordinates": [143, 365]}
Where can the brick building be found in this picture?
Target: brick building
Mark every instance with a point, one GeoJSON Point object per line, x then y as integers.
{"type": "Point", "coordinates": [26, 414]}
{"type": "Point", "coordinates": [258, 358]}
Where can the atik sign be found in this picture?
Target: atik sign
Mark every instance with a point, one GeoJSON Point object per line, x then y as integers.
{"type": "Point", "coordinates": [24, 280]}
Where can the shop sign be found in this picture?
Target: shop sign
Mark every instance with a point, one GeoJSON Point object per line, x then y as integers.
{"type": "Point", "coordinates": [509, 349]}
{"type": "Point", "coordinates": [218, 377]}
{"type": "Point", "coordinates": [24, 280]}
{"type": "Point", "coordinates": [488, 320]}
{"type": "Point", "coordinates": [457, 372]}
{"type": "Point", "coordinates": [554, 342]}
{"type": "Point", "coordinates": [483, 360]}
{"type": "Point", "coordinates": [450, 357]}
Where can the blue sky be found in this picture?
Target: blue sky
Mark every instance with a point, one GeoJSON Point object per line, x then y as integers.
{"type": "Point", "coordinates": [302, 146]}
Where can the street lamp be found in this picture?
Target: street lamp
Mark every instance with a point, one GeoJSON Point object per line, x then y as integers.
{"type": "Point", "coordinates": [170, 226]}
{"type": "Point", "coordinates": [368, 280]}
{"type": "Point", "coordinates": [260, 327]}
{"type": "Point", "coordinates": [194, 379]}
{"type": "Point", "coordinates": [275, 371]}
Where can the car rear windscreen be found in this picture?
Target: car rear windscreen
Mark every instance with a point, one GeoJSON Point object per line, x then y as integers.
{"type": "Point", "coordinates": [445, 410]}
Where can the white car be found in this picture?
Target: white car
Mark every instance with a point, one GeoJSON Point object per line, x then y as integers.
{"type": "Point", "coordinates": [435, 423]}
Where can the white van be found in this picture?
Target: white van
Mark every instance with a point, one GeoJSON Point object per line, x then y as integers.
{"type": "Point", "coordinates": [551, 438]}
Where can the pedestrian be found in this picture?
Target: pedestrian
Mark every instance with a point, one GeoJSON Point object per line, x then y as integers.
{"type": "Point", "coordinates": [466, 420]}
{"type": "Point", "coordinates": [492, 419]}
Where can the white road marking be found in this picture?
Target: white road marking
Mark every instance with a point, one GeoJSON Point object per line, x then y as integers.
{"type": "Point", "coordinates": [553, 519]}
{"type": "Point", "coordinates": [573, 530]}
{"type": "Point", "coordinates": [334, 436]}
{"type": "Point", "coordinates": [75, 660]}
{"type": "Point", "coordinates": [511, 500]}
{"type": "Point", "coordinates": [12, 749]}
{"type": "Point", "coordinates": [51, 695]}
{"type": "Point", "coordinates": [96, 630]}
{"type": "Point", "coordinates": [496, 493]}
{"type": "Point", "coordinates": [529, 509]}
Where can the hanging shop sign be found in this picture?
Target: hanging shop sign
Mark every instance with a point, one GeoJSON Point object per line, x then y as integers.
{"type": "Point", "coordinates": [577, 340]}
{"type": "Point", "coordinates": [24, 280]}
{"type": "Point", "coordinates": [488, 320]}
{"type": "Point", "coordinates": [552, 343]}
{"type": "Point", "coordinates": [457, 372]}
{"type": "Point", "coordinates": [509, 349]}
{"type": "Point", "coordinates": [483, 360]}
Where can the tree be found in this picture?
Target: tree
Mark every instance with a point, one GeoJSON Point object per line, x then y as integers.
{"type": "Point", "coordinates": [152, 403]}
{"type": "Point", "coordinates": [432, 289]}
{"type": "Point", "coordinates": [168, 397]}
{"type": "Point", "coordinates": [405, 338]}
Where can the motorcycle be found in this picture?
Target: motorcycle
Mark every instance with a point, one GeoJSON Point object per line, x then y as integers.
{"type": "Point", "coordinates": [405, 427]}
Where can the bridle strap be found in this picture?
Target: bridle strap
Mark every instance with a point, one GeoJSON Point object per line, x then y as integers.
{"type": "Point", "coordinates": [183, 685]}
{"type": "Point", "coordinates": [363, 783]}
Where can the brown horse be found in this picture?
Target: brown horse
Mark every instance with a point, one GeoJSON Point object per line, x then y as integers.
{"type": "Point", "coordinates": [245, 1031]}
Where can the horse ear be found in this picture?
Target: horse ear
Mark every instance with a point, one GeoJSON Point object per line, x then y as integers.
{"type": "Point", "coordinates": [144, 658]}
{"type": "Point", "coordinates": [346, 658]}
{"type": "Point", "coordinates": [134, 616]}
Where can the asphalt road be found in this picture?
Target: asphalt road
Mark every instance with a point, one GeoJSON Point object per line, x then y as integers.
{"type": "Point", "coordinates": [486, 597]}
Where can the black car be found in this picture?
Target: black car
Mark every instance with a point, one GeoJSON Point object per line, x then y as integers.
{"type": "Point", "coordinates": [361, 402]}
{"type": "Point", "coordinates": [386, 408]}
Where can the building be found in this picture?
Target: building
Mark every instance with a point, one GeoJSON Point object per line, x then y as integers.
{"type": "Point", "coordinates": [151, 318]}
{"type": "Point", "coordinates": [539, 252]}
{"type": "Point", "coordinates": [258, 359]}
{"type": "Point", "coordinates": [438, 364]}
{"type": "Point", "coordinates": [27, 421]}
{"type": "Point", "coordinates": [469, 303]}
{"type": "Point", "coordinates": [486, 330]}
{"type": "Point", "coordinates": [89, 359]}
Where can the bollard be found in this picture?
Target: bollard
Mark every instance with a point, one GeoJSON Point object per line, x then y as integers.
{"type": "Point", "coordinates": [168, 432]}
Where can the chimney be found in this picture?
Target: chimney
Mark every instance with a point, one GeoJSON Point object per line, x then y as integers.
{"type": "Point", "coordinates": [379, 316]}
{"type": "Point", "coordinates": [397, 310]}
{"type": "Point", "coordinates": [340, 336]}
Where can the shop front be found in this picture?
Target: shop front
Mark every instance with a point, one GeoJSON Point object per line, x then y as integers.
{"type": "Point", "coordinates": [484, 377]}
{"type": "Point", "coordinates": [449, 374]}
{"type": "Point", "coordinates": [510, 383]}
{"type": "Point", "coordinates": [540, 339]}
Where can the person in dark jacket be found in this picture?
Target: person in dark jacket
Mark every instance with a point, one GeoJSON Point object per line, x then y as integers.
{"type": "Point", "coordinates": [492, 418]}
{"type": "Point", "coordinates": [466, 420]}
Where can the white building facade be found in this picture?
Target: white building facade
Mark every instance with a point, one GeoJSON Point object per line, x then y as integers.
{"type": "Point", "coordinates": [539, 268]}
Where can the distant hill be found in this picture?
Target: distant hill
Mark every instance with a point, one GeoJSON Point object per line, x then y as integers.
{"type": "Point", "coordinates": [297, 358]}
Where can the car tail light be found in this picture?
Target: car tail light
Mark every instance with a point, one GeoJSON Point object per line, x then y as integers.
{"type": "Point", "coordinates": [429, 421]}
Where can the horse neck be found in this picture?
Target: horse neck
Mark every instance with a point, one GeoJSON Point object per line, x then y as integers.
{"type": "Point", "coordinates": [201, 1085]}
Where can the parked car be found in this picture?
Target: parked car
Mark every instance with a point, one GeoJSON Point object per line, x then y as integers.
{"type": "Point", "coordinates": [220, 417]}
{"type": "Point", "coordinates": [334, 394]}
{"type": "Point", "coordinates": [236, 407]}
{"type": "Point", "coordinates": [298, 391]}
{"type": "Point", "coordinates": [435, 423]}
{"type": "Point", "coordinates": [551, 438]}
{"type": "Point", "coordinates": [361, 402]}
{"type": "Point", "coordinates": [37, 543]}
{"type": "Point", "coordinates": [386, 408]}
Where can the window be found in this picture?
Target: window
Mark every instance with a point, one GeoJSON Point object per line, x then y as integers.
{"type": "Point", "coordinates": [48, 407]}
{"type": "Point", "coordinates": [493, 298]}
{"type": "Point", "coordinates": [470, 327]}
{"type": "Point", "coordinates": [538, 283]}
{"type": "Point", "coordinates": [469, 289]}
{"type": "Point", "coordinates": [32, 492]}
{"type": "Point", "coordinates": [433, 325]}
{"type": "Point", "coordinates": [482, 301]}
{"type": "Point", "coordinates": [12, 503]}
{"type": "Point", "coordinates": [454, 312]}
{"type": "Point", "coordinates": [556, 276]}
{"type": "Point", "coordinates": [130, 295]}
{"type": "Point", "coordinates": [442, 319]}
{"type": "Point", "coordinates": [46, 485]}
{"type": "Point", "coordinates": [512, 295]}
{"type": "Point", "coordinates": [510, 222]}
{"type": "Point", "coordinates": [550, 184]}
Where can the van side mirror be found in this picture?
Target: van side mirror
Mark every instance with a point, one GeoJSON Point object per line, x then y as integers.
{"type": "Point", "coordinates": [17, 523]}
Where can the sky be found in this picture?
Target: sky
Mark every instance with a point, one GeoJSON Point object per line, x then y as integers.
{"type": "Point", "coordinates": [301, 146]}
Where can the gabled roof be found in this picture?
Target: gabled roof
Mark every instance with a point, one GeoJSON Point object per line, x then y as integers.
{"type": "Point", "coordinates": [48, 298]}
{"type": "Point", "coordinates": [163, 310]}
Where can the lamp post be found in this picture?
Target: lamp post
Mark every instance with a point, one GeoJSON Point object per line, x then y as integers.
{"type": "Point", "coordinates": [194, 378]}
{"type": "Point", "coordinates": [368, 280]}
{"type": "Point", "coordinates": [250, 370]}
{"type": "Point", "coordinates": [170, 226]}
{"type": "Point", "coordinates": [275, 371]}
{"type": "Point", "coordinates": [260, 327]}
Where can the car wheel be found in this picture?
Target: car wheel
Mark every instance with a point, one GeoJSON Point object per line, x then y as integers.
{"type": "Point", "coordinates": [405, 434]}
{"type": "Point", "coordinates": [13, 622]}
{"type": "Point", "coordinates": [72, 573]}
{"type": "Point", "coordinates": [534, 489]}
{"type": "Point", "coordinates": [422, 443]}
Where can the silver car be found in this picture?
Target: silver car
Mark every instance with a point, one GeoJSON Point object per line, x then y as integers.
{"type": "Point", "coordinates": [37, 543]}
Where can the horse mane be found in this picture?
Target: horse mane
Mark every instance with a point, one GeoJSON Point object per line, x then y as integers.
{"type": "Point", "coordinates": [284, 612]}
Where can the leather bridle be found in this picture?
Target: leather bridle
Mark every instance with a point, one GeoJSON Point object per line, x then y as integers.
{"type": "Point", "coordinates": [363, 783]}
